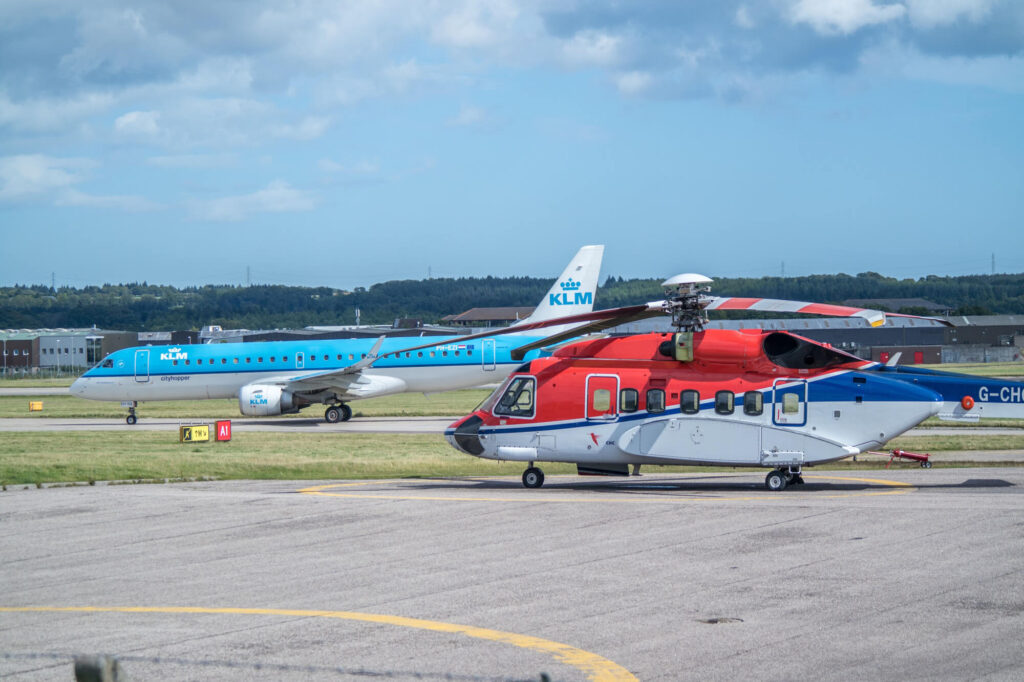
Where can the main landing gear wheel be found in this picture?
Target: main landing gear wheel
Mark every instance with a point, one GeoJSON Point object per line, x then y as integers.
{"type": "Point", "coordinates": [926, 464]}
{"type": "Point", "coordinates": [338, 413]}
{"type": "Point", "coordinates": [776, 480]}
{"type": "Point", "coordinates": [533, 477]}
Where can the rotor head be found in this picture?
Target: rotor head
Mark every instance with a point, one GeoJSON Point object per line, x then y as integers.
{"type": "Point", "coordinates": [683, 297]}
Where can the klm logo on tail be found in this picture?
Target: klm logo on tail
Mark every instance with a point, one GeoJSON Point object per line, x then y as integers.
{"type": "Point", "coordinates": [571, 295]}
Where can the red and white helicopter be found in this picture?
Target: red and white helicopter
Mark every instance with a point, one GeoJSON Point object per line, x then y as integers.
{"type": "Point", "coordinates": [750, 398]}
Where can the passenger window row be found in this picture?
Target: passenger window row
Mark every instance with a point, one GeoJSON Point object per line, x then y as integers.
{"type": "Point", "coordinates": [310, 358]}
{"type": "Point", "coordinates": [689, 401]}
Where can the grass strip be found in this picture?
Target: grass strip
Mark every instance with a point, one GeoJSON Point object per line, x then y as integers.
{"type": "Point", "coordinates": [455, 403]}
{"type": "Point", "coordinates": [48, 457]}
{"type": "Point", "coordinates": [39, 457]}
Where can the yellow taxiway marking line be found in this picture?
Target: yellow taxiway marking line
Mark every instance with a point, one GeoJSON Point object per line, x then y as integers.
{"type": "Point", "coordinates": [894, 488]}
{"type": "Point", "coordinates": [595, 667]}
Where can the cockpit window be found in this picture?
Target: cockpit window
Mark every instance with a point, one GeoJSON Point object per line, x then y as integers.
{"type": "Point", "coordinates": [107, 363]}
{"type": "Point", "coordinates": [792, 352]}
{"type": "Point", "coordinates": [517, 400]}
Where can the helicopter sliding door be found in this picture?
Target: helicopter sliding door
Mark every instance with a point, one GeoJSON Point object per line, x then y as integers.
{"type": "Point", "coordinates": [602, 396]}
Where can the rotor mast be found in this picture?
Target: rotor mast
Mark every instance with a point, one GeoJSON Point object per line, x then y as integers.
{"type": "Point", "coordinates": [684, 299]}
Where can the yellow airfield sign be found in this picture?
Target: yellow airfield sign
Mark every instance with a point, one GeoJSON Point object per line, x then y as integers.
{"type": "Point", "coordinates": [194, 434]}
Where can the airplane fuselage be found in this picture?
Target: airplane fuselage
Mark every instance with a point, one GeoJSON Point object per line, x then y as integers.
{"type": "Point", "coordinates": [193, 372]}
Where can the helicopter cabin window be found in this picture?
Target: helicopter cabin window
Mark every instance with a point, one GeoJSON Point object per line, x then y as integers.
{"type": "Point", "coordinates": [629, 400]}
{"type": "Point", "coordinates": [725, 402]}
{"type": "Point", "coordinates": [753, 403]}
{"type": "Point", "coordinates": [790, 403]}
{"type": "Point", "coordinates": [655, 400]}
{"type": "Point", "coordinates": [517, 400]}
{"type": "Point", "coordinates": [689, 401]}
{"type": "Point", "coordinates": [602, 400]}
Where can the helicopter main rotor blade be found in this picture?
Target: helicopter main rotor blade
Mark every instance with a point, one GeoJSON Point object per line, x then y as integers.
{"type": "Point", "coordinates": [626, 313]}
{"type": "Point", "coordinates": [650, 310]}
{"type": "Point", "coordinates": [875, 318]}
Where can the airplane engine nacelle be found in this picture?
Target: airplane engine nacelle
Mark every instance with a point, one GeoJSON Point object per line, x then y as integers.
{"type": "Point", "coordinates": [256, 400]}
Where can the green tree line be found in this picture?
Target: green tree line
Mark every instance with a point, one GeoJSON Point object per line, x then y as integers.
{"type": "Point", "coordinates": [149, 307]}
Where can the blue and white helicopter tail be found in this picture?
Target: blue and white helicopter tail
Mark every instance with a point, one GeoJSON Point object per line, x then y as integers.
{"type": "Point", "coordinates": [573, 292]}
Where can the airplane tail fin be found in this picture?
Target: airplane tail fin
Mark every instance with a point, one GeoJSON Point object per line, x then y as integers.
{"type": "Point", "coordinates": [573, 292]}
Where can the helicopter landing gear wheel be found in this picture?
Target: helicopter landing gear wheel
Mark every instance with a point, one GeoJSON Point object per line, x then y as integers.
{"type": "Point", "coordinates": [926, 464]}
{"type": "Point", "coordinates": [533, 477]}
{"type": "Point", "coordinates": [776, 480]}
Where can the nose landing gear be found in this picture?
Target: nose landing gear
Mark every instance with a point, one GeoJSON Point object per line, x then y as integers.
{"type": "Point", "coordinates": [131, 419]}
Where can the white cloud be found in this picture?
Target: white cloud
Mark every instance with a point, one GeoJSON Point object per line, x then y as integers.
{"type": "Point", "coordinates": [998, 72]}
{"type": "Point", "coordinates": [138, 123]}
{"type": "Point", "coordinates": [309, 128]}
{"type": "Point", "coordinates": [131, 204]}
{"type": "Point", "coordinates": [593, 48]}
{"type": "Point", "coordinates": [931, 13]}
{"type": "Point", "coordinates": [743, 18]}
{"type": "Point", "coordinates": [362, 168]}
{"type": "Point", "coordinates": [39, 178]}
{"type": "Point", "coordinates": [469, 117]}
{"type": "Point", "coordinates": [464, 27]}
{"type": "Point", "coordinates": [843, 17]}
{"type": "Point", "coordinates": [276, 197]}
{"type": "Point", "coordinates": [51, 114]}
{"type": "Point", "coordinates": [634, 82]}
{"type": "Point", "coordinates": [34, 176]}
{"type": "Point", "coordinates": [193, 161]}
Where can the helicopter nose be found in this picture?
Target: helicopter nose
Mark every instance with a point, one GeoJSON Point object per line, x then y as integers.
{"type": "Point", "coordinates": [466, 435]}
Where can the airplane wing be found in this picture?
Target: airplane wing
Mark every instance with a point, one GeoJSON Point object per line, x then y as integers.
{"type": "Point", "coordinates": [350, 383]}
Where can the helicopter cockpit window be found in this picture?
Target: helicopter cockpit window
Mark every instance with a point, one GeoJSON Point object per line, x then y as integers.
{"type": "Point", "coordinates": [689, 401]}
{"type": "Point", "coordinates": [629, 400]}
{"type": "Point", "coordinates": [753, 403]}
{"type": "Point", "coordinates": [791, 352]}
{"type": "Point", "coordinates": [655, 400]}
{"type": "Point", "coordinates": [517, 400]}
{"type": "Point", "coordinates": [725, 402]}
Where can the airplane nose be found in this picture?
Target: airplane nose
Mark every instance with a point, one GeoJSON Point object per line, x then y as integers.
{"type": "Point", "coordinates": [77, 386]}
{"type": "Point", "coordinates": [466, 436]}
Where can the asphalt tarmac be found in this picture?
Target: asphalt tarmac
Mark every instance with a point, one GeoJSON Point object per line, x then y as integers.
{"type": "Point", "coordinates": [900, 574]}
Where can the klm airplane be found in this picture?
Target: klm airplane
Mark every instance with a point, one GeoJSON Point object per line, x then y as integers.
{"type": "Point", "coordinates": [282, 377]}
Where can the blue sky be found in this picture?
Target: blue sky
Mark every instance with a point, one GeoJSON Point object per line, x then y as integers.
{"type": "Point", "coordinates": [333, 143]}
